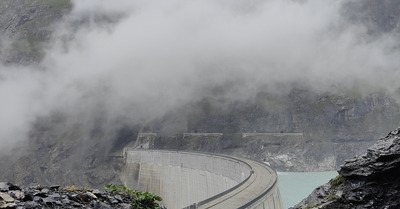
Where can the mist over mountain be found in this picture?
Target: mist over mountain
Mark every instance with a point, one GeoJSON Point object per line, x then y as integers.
{"type": "Point", "coordinates": [80, 79]}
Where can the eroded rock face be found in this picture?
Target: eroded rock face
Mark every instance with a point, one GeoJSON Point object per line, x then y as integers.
{"type": "Point", "coordinates": [370, 180]}
{"type": "Point", "coordinates": [380, 161]}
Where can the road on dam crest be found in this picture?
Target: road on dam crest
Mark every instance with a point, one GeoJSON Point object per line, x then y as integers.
{"type": "Point", "coordinates": [257, 186]}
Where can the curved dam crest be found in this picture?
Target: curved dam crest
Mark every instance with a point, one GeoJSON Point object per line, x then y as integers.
{"type": "Point", "coordinates": [201, 180]}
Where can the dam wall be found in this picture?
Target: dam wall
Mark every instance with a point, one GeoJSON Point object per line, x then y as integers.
{"type": "Point", "coordinates": [200, 180]}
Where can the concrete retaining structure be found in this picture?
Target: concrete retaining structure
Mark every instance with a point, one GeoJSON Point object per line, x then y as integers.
{"type": "Point", "coordinates": [200, 180]}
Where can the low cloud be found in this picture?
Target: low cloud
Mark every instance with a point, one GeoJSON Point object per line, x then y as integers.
{"type": "Point", "coordinates": [133, 61]}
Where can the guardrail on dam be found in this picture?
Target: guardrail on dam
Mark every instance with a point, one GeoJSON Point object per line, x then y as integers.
{"type": "Point", "coordinates": [201, 180]}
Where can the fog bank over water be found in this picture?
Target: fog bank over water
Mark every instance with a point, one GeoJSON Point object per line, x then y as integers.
{"type": "Point", "coordinates": [133, 61]}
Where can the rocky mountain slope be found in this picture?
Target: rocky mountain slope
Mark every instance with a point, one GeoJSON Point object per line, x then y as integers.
{"type": "Point", "coordinates": [70, 148]}
{"type": "Point", "coordinates": [319, 131]}
{"type": "Point", "coordinates": [370, 180]}
{"type": "Point", "coordinates": [379, 16]}
{"type": "Point", "coordinates": [25, 26]}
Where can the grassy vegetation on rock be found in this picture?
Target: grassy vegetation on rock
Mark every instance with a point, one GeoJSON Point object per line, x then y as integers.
{"type": "Point", "coordinates": [337, 180]}
{"type": "Point", "coordinates": [56, 4]}
{"type": "Point", "coordinates": [312, 206]}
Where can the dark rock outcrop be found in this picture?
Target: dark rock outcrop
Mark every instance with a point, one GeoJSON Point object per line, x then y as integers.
{"type": "Point", "coordinates": [12, 196]}
{"type": "Point", "coordinates": [371, 180]}
{"type": "Point", "coordinates": [382, 160]}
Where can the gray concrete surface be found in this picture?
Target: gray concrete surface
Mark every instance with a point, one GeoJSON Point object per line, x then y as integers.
{"type": "Point", "coordinates": [199, 180]}
{"type": "Point", "coordinates": [260, 191]}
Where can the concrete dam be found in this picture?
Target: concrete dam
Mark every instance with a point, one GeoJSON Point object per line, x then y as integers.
{"type": "Point", "coordinates": [201, 180]}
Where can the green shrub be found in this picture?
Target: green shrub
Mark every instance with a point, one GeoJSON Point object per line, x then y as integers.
{"type": "Point", "coordinates": [140, 200]}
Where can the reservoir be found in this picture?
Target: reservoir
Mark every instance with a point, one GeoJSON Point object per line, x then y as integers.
{"type": "Point", "coordinates": [295, 186]}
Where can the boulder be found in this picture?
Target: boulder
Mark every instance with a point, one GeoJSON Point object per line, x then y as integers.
{"type": "Point", "coordinates": [6, 197]}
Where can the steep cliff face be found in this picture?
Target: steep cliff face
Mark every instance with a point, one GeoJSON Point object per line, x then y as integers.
{"type": "Point", "coordinates": [300, 131]}
{"type": "Point", "coordinates": [370, 180]}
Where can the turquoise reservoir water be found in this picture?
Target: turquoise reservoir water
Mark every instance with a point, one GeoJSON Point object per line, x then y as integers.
{"type": "Point", "coordinates": [295, 186]}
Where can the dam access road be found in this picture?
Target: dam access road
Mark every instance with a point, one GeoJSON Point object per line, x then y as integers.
{"type": "Point", "coordinates": [201, 180]}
